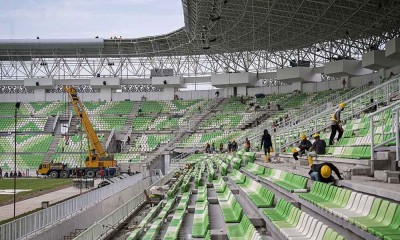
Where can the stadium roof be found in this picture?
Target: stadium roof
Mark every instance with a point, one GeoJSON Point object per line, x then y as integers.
{"type": "Point", "coordinates": [221, 26]}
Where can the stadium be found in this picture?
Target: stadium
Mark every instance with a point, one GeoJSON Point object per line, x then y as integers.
{"type": "Point", "coordinates": [257, 119]}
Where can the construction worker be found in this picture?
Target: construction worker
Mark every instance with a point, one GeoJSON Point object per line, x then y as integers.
{"type": "Point", "coordinates": [323, 172]}
{"type": "Point", "coordinates": [318, 147]}
{"type": "Point", "coordinates": [267, 143]}
{"type": "Point", "coordinates": [335, 124]}
{"type": "Point", "coordinates": [234, 145]}
{"type": "Point", "coordinates": [304, 146]}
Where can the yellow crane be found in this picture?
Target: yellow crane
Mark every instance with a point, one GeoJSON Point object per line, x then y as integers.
{"type": "Point", "coordinates": [96, 156]}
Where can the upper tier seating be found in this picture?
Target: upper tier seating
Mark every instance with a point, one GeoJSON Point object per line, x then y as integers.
{"type": "Point", "coordinates": [215, 137]}
{"type": "Point", "coordinates": [174, 106]}
{"type": "Point", "coordinates": [113, 108]}
{"type": "Point", "coordinates": [227, 121]}
{"type": "Point", "coordinates": [26, 143]}
{"type": "Point", "coordinates": [107, 123]}
{"type": "Point", "coordinates": [75, 143]}
{"type": "Point", "coordinates": [147, 143]}
{"type": "Point", "coordinates": [33, 108]}
{"type": "Point", "coordinates": [24, 124]}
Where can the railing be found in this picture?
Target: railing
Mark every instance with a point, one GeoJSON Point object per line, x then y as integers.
{"type": "Point", "coordinates": [55, 122]}
{"type": "Point", "coordinates": [70, 119]}
{"type": "Point", "coordinates": [109, 138]}
{"type": "Point", "coordinates": [356, 105]}
{"type": "Point", "coordinates": [32, 223]}
{"type": "Point", "coordinates": [125, 139]}
{"type": "Point", "coordinates": [104, 227]}
{"type": "Point", "coordinates": [317, 107]}
{"type": "Point", "coordinates": [395, 108]}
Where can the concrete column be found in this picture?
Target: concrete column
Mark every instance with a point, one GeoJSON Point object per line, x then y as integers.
{"type": "Point", "coordinates": [167, 162]}
{"type": "Point", "coordinates": [169, 93]}
{"type": "Point", "coordinates": [40, 95]}
{"type": "Point", "coordinates": [105, 94]}
{"type": "Point", "coordinates": [242, 90]}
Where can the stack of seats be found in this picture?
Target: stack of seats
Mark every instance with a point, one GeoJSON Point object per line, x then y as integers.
{"type": "Point", "coordinates": [177, 219]}
{"type": "Point", "coordinates": [145, 221]}
{"type": "Point", "coordinates": [379, 217]}
{"type": "Point", "coordinates": [156, 225]}
{"type": "Point", "coordinates": [201, 222]}
{"type": "Point", "coordinates": [296, 224]}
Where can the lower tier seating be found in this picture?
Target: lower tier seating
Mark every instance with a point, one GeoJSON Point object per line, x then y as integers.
{"type": "Point", "coordinates": [243, 230]}
{"type": "Point", "coordinates": [379, 217]}
{"type": "Point", "coordinates": [295, 224]}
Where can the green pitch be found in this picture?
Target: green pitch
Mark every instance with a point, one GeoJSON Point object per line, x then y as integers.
{"type": "Point", "coordinates": [38, 186]}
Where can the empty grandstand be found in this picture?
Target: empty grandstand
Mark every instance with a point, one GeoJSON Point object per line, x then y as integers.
{"type": "Point", "coordinates": [182, 118]}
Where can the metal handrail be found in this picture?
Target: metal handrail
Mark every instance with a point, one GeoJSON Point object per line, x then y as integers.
{"type": "Point", "coordinates": [395, 107]}
{"type": "Point", "coordinates": [103, 228]}
{"type": "Point", "coordinates": [30, 224]}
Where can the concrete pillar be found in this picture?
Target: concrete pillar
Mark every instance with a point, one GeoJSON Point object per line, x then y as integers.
{"type": "Point", "coordinates": [167, 162]}
{"type": "Point", "coordinates": [40, 95]}
{"type": "Point", "coordinates": [105, 94]}
{"type": "Point", "coordinates": [169, 93]}
{"type": "Point", "coordinates": [242, 90]}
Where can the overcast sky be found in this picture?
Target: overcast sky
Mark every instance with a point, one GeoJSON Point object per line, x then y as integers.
{"type": "Point", "coordinates": [88, 18]}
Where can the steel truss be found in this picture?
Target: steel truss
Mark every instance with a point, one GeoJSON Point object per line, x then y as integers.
{"type": "Point", "coordinates": [126, 66]}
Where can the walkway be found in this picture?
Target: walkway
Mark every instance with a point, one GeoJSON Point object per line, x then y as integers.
{"type": "Point", "coordinates": [7, 211]}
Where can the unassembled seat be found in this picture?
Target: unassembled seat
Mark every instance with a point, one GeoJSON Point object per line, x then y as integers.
{"type": "Point", "coordinates": [219, 185]}
{"type": "Point", "coordinates": [254, 168]}
{"type": "Point", "coordinates": [237, 176]}
{"type": "Point", "coordinates": [231, 209]}
{"type": "Point", "coordinates": [139, 230]}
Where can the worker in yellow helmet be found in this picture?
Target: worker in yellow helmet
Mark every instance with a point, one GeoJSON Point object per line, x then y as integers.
{"type": "Point", "coordinates": [323, 172]}
{"type": "Point", "coordinates": [336, 124]}
{"type": "Point", "coordinates": [318, 148]}
{"type": "Point", "coordinates": [304, 146]}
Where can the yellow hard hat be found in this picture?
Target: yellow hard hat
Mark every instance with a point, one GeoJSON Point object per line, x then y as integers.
{"type": "Point", "coordinates": [342, 105]}
{"type": "Point", "coordinates": [303, 136]}
{"type": "Point", "coordinates": [294, 150]}
{"type": "Point", "coordinates": [326, 171]}
{"type": "Point", "coordinates": [316, 135]}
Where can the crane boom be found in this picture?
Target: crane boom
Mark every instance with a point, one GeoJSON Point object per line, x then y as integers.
{"type": "Point", "coordinates": [85, 122]}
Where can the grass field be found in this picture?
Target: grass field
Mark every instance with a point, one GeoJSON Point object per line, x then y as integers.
{"type": "Point", "coordinates": [38, 186]}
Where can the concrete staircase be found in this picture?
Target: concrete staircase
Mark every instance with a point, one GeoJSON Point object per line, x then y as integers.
{"type": "Point", "coordinates": [52, 148]}
{"type": "Point", "coordinates": [201, 116]}
{"type": "Point", "coordinates": [131, 115]}
{"type": "Point", "coordinates": [73, 127]}
{"type": "Point", "coordinates": [49, 124]}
